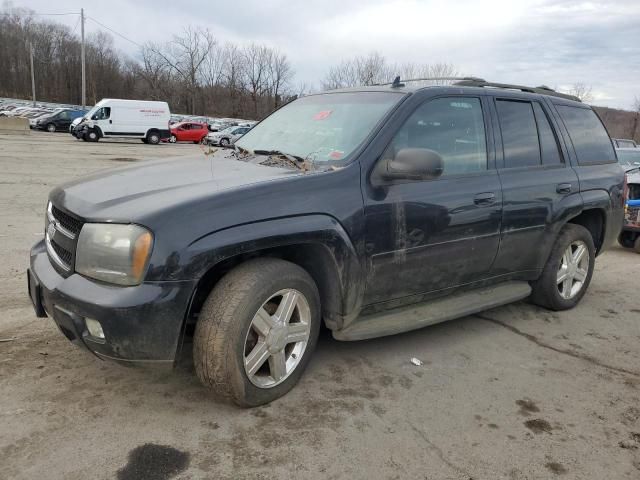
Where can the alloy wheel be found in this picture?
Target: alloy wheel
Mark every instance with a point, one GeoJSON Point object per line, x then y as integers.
{"type": "Point", "coordinates": [573, 271]}
{"type": "Point", "coordinates": [277, 338]}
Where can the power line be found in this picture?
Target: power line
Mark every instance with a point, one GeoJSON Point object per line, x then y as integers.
{"type": "Point", "coordinates": [113, 31]}
{"type": "Point", "coordinates": [31, 14]}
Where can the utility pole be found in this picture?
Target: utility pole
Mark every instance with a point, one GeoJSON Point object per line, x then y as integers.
{"type": "Point", "coordinates": [33, 76]}
{"type": "Point", "coordinates": [84, 84]}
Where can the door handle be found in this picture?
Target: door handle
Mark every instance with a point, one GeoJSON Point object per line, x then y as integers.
{"type": "Point", "coordinates": [486, 198]}
{"type": "Point", "coordinates": [563, 188]}
{"type": "Point", "coordinates": [111, 121]}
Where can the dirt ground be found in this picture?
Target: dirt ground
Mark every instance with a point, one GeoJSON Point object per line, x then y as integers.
{"type": "Point", "coordinates": [513, 393]}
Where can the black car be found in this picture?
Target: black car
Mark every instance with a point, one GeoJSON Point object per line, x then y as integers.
{"type": "Point", "coordinates": [58, 121]}
{"type": "Point", "coordinates": [372, 210]}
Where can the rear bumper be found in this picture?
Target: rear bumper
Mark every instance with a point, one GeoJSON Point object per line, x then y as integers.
{"type": "Point", "coordinates": [141, 324]}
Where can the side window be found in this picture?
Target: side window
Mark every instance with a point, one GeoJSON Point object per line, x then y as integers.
{"type": "Point", "coordinates": [453, 127]}
{"type": "Point", "coordinates": [519, 133]}
{"type": "Point", "coordinates": [102, 114]}
{"type": "Point", "coordinates": [64, 115]}
{"type": "Point", "coordinates": [589, 137]}
{"type": "Point", "coordinates": [548, 141]}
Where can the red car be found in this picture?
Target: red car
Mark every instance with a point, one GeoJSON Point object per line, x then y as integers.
{"type": "Point", "coordinates": [188, 132]}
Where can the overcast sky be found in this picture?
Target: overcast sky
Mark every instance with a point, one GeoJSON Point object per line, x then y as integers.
{"type": "Point", "coordinates": [532, 42]}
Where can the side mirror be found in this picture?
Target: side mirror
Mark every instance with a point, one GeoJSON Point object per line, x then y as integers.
{"type": "Point", "coordinates": [410, 164]}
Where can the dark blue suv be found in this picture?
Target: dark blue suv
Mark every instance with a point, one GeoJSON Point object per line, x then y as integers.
{"type": "Point", "coordinates": [371, 210]}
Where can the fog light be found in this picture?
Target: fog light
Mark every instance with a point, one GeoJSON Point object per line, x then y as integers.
{"type": "Point", "coordinates": [94, 327]}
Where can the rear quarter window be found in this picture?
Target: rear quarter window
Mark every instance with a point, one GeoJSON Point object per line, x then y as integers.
{"type": "Point", "coordinates": [588, 136]}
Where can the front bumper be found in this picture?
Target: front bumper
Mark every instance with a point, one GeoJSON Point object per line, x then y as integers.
{"type": "Point", "coordinates": [141, 324]}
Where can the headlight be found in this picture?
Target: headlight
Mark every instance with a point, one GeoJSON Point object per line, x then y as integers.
{"type": "Point", "coordinates": [114, 253]}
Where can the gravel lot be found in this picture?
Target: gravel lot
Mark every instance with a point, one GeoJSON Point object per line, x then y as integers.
{"type": "Point", "coordinates": [515, 393]}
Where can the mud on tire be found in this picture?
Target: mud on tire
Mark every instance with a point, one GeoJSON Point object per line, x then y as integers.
{"type": "Point", "coordinates": [547, 290]}
{"type": "Point", "coordinates": [225, 322]}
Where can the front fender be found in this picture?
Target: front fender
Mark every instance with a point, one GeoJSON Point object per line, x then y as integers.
{"type": "Point", "coordinates": [340, 259]}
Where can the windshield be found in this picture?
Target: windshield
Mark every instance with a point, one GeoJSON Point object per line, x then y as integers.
{"type": "Point", "coordinates": [629, 157]}
{"type": "Point", "coordinates": [321, 128]}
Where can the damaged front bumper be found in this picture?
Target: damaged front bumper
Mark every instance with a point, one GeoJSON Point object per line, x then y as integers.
{"type": "Point", "coordinates": [141, 324]}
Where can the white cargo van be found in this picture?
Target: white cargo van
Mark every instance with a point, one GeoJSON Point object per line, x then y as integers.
{"type": "Point", "coordinates": [113, 118]}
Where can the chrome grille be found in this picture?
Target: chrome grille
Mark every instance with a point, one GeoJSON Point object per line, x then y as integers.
{"type": "Point", "coordinates": [61, 234]}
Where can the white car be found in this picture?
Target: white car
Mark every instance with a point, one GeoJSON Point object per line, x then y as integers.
{"type": "Point", "coordinates": [226, 137]}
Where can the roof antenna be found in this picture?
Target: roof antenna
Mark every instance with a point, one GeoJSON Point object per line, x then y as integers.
{"type": "Point", "coordinates": [396, 83]}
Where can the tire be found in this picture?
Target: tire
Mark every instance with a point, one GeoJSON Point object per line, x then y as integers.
{"type": "Point", "coordinates": [51, 128]}
{"type": "Point", "coordinates": [626, 239]}
{"type": "Point", "coordinates": [224, 142]}
{"type": "Point", "coordinates": [92, 136]}
{"type": "Point", "coordinates": [143, 140]}
{"type": "Point", "coordinates": [547, 290]}
{"type": "Point", "coordinates": [636, 245]}
{"type": "Point", "coordinates": [153, 138]}
{"type": "Point", "coordinates": [226, 334]}
{"type": "Point", "coordinates": [173, 139]}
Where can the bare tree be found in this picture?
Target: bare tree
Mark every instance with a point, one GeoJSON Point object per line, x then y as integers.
{"type": "Point", "coordinates": [256, 59]}
{"type": "Point", "coordinates": [280, 74]}
{"type": "Point", "coordinates": [358, 71]}
{"type": "Point", "coordinates": [582, 91]}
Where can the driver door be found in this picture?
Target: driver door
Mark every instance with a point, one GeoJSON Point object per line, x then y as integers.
{"type": "Point", "coordinates": [430, 235]}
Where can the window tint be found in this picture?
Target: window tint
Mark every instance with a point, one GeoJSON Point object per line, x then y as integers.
{"type": "Point", "coordinates": [548, 142]}
{"type": "Point", "coordinates": [519, 134]}
{"type": "Point", "coordinates": [590, 140]}
{"type": "Point", "coordinates": [453, 127]}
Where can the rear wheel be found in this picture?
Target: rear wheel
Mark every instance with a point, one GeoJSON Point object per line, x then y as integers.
{"type": "Point", "coordinates": [51, 128]}
{"type": "Point", "coordinates": [568, 271]}
{"type": "Point", "coordinates": [257, 330]}
{"type": "Point", "coordinates": [153, 138]}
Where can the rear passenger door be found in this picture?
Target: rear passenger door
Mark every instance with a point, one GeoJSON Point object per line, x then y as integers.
{"type": "Point", "coordinates": [539, 187]}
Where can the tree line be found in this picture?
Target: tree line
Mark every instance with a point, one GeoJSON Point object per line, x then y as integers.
{"type": "Point", "coordinates": [193, 72]}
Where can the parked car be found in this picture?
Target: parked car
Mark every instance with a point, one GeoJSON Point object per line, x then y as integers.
{"type": "Point", "coordinates": [629, 158]}
{"type": "Point", "coordinates": [114, 118]}
{"type": "Point", "coordinates": [57, 121]}
{"type": "Point", "coordinates": [227, 136]}
{"type": "Point", "coordinates": [624, 143]}
{"type": "Point", "coordinates": [373, 210]}
{"type": "Point", "coordinates": [630, 235]}
{"type": "Point", "coordinates": [188, 132]}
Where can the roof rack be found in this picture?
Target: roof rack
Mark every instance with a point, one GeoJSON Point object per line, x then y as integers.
{"type": "Point", "coordinates": [542, 89]}
{"type": "Point", "coordinates": [397, 83]}
{"type": "Point", "coordinates": [481, 82]}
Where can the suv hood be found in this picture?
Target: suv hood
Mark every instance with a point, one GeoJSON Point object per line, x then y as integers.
{"type": "Point", "coordinates": [132, 193]}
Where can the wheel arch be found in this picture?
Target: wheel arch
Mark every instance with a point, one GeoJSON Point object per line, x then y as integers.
{"type": "Point", "coordinates": [593, 219]}
{"type": "Point", "coordinates": [317, 243]}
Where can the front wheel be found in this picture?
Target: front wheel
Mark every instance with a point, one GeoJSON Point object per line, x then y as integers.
{"type": "Point", "coordinates": [568, 271]}
{"type": "Point", "coordinates": [256, 331]}
{"type": "Point", "coordinates": [92, 136]}
{"type": "Point", "coordinates": [172, 139]}
{"type": "Point", "coordinates": [224, 142]}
